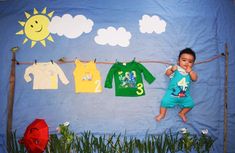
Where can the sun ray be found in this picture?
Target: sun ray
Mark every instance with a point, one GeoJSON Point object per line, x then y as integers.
{"type": "Point", "coordinates": [27, 15]}
{"type": "Point", "coordinates": [35, 11]}
{"type": "Point", "coordinates": [43, 42]}
{"type": "Point", "coordinates": [22, 23]}
{"type": "Point", "coordinates": [21, 32]}
{"type": "Point", "coordinates": [50, 14]}
{"type": "Point", "coordinates": [50, 38]}
{"type": "Point", "coordinates": [33, 44]}
{"type": "Point", "coordinates": [44, 11]}
{"type": "Point", "coordinates": [25, 40]}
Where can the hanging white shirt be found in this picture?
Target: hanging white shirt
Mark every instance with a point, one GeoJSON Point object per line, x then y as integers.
{"type": "Point", "coordinates": [45, 75]}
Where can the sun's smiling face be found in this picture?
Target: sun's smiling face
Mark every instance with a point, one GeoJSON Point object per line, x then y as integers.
{"type": "Point", "coordinates": [36, 27]}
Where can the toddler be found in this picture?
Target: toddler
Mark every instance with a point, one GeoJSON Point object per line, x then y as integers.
{"type": "Point", "coordinates": [177, 92]}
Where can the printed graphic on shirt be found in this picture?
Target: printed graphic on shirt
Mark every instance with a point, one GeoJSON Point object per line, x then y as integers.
{"type": "Point", "coordinates": [181, 88]}
{"type": "Point", "coordinates": [127, 79]}
{"type": "Point", "coordinates": [140, 89]}
{"type": "Point", "coordinates": [87, 76]}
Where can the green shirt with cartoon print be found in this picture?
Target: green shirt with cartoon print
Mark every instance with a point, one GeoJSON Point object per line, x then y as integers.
{"type": "Point", "coordinates": [128, 78]}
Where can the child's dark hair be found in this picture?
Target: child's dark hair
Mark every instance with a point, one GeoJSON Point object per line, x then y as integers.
{"type": "Point", "coordinates": [187, 51]}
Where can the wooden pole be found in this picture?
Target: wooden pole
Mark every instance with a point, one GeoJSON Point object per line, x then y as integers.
{"type": "Point", "coordinates": [226, 99]}
{"type": "Point", "coordinates": [11, 99]}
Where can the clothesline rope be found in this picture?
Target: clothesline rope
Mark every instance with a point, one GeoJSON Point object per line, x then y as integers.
{"type": "Point", "coordinates": [141, 61]}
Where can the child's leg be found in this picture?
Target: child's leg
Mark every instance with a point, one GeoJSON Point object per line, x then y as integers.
{"type": "Point", "coordinates": [161, 114]}
{"type": "Point", "coordinates": [183, 112]}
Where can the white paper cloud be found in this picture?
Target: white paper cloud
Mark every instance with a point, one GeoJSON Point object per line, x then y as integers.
{"type": "Point", "coordinates": [70, 27]}
{"type": "Point", "coordinates": [152, 24]}
{"type": "Point", "coordinates": [113, 37]}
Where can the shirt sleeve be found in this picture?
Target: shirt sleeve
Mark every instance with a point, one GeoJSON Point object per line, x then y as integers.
{"type": "Point", "coordinates": [27, 73]}
{"type": "Point", "coordinates": [61, 74]}
{"type": "Point", "coordinates": [147, 75]}
{"type": "Point", "coordinates": [109, 77]}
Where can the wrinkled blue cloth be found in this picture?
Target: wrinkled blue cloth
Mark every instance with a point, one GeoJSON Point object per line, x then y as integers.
{"type": "Point", "coordinates": [204, 26]}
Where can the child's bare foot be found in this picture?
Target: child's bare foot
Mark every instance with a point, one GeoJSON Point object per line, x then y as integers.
{"type": "Point", "coordinates": [159, 117]}
{"type": "Point", "coordinates": [183, 117]}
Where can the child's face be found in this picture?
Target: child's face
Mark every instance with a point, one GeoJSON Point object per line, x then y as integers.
{"type": "Point", "coordinates": [186, 60]}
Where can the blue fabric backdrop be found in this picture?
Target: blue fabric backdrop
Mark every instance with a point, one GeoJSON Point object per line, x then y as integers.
{"type": "Point", "coordinates": [205, 26]}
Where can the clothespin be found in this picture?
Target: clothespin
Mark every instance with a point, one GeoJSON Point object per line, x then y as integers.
{"type": "Point", "coordinates": [35, 61]}
{"type": "Point", "coordinates": [17, 62]}
{"type": "Point", "coordinates": [223, 54]}
{"type": "Point", "coordinates": [95, 60]}
{"type": "Point", "coordinates": [52, 62]}
{"type": "Point", "coordinates": [62, 59]}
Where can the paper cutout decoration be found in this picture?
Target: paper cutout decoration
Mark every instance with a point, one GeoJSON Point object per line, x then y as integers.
{"type": "Point", "coordinates": [36, 27]}
{"type": "Point", "coordinates": [36, 136]}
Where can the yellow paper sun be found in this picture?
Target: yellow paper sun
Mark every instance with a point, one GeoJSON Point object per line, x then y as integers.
{"type": "Point", "coordinates": [36, 27]}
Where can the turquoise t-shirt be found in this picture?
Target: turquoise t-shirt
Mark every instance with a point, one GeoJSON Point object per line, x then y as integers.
{"type": "Point", "coordinates": [178, 91]}
{"type": "Point", "coordinates": [128, 78]}
{"type": "Point", "coordinates": [179, 84]}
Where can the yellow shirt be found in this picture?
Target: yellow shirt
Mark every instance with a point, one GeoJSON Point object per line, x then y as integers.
{"type": "Point", "coordinates": [87, 77]}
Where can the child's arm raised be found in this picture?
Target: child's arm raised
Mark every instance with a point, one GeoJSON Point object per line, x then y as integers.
{"type": "Point", "coordinates": [171, 70]}
{"type": "Point", "coordinates": [192, 74]}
